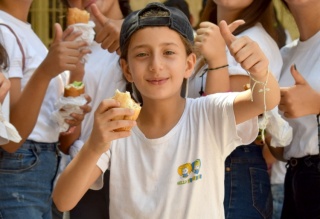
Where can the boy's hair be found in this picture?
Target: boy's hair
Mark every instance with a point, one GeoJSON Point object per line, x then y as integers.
{"type": "Point", "coordinates": [155, 14]}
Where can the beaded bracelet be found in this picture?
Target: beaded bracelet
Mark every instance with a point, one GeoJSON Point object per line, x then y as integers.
{"type": "Point", "coordinates": [213, 69]}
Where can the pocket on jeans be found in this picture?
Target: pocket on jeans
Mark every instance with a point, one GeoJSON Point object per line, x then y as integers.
{"type": "Point", "coordinates": [21, 160]}
{"type": "Point", "coordinates": [261, 192]}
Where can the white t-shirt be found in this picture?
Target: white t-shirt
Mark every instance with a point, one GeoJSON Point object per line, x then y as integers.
{"type": "Point", "coordinates": [35, 51]}
{"type": "Point", "coordinates": [102, 77]}
{"type": "Point", "coordinates": [258, 34]}
{"type": "Point", "coordinates": [306, 56]}
{"type": "Point", "coordinates": [180, 175]}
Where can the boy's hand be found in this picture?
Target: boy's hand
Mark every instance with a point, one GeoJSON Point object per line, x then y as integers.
{"type": "Point", "coordinates": [246, 52]}
{"type": "Point", "coordinates": [103, 128]}
{"type": "Point", "coordinates": [107, 30]}
{"type": "Point", "coordinates": [300, 99]}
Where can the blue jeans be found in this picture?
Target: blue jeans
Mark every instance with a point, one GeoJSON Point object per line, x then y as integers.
{"type": "Point", "coordinates": [278, 196]}
{"type": "Point", "coordinates": [247, 184]}
{"type": "Point", "coordinates": [26, 181]}
{"type": "Point", "coordinates": [302, 188]}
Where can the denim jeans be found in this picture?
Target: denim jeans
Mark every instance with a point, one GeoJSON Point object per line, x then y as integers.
{"type": "Point", "coordinates": [26, 181]}
{"type": "Point", "coordinates": [247, 184]}
{"type": "Point", "coordinates": [302, 188]}
{"type": "Point", "coordinates": [278, 196]}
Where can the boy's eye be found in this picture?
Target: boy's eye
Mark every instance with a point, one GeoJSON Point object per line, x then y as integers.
{"type": "Point", "coordinates": [168, 52]}
{"type": "Point", "coordinates": [141, 54]}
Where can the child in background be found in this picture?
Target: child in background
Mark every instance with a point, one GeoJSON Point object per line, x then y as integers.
{"type": "Point", "coordinates": [28, 168]}
{"type": "Point", "coordinates": [300, 105]}
{"type": "Point", "coordinates": [156, 55]}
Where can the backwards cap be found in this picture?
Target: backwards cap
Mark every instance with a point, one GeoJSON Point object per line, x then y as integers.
{"type": "Point", "coordinates": [176, 20]}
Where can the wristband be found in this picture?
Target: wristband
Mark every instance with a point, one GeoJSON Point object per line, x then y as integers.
{"type": "Point", "coordinates": [213, 69]}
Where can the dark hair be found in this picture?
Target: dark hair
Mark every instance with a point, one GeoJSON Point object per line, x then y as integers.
{"type": "Point", "coordinates": [258, 11]}
{"type": "Point", "coordinates": [4, 60]}
{"type": "Point", "coordinates": [125, 7]}
{"type": "Point", "coordinates": [181, 5]}
{"type": "Point", "coordinates": [150, 14]}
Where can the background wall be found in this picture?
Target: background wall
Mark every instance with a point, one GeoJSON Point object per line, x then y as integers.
{"type": "Point", "coordinates": [44, 13]}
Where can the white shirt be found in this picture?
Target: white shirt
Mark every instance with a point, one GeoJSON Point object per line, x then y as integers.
{"type": "Point", "coordinates": [306, 56]}
{"type": "Point", "coordinates": [179, 175]}
{"type": "Point", "coordinates": [45, 129]}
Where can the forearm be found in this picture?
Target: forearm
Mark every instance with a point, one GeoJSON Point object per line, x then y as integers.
{"type": "Point", "coordinates": [25, 107]}
{"type": "Point", "coordinates": [265, 96]}
{"type": "Point", "coordinates": [76, 179]}
{"type": "Point", "coordinates": [217, 76]}
{"type": "Point", "coordinates": [250, 104]}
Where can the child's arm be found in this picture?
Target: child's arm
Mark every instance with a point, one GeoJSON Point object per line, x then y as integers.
{"type": "Point", "coordinates": [300, 99]}
{"type": "Point", "coordinates": [63, 55]}
{"type": "Point", "coordinates": [80, 174]}
{"type": "Point", "coordinates": [210, 44]}
{"type": "Point", "coordinates": [265, 93]}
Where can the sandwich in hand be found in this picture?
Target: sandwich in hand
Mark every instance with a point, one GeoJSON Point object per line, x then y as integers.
{"type": "Point", "coordinates": [74, 89]}
{"type": "Point", "coordinates": [126, 102]}
{"type": "Point", "coordinates": [75, 16]}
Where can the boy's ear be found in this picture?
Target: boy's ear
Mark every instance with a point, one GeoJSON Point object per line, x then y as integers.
{"type": "Point", "coordinates": [191, 61]}
{"type": "Point", "coordinates": [125, 69]}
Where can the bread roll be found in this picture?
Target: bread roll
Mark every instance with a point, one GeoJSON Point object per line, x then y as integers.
{"type": "Point", "coordinates": [75, 16]}
{"type": "Point", "coordinates": [126, 102]}
{"type": "Point", "coordinates": [74, 89]}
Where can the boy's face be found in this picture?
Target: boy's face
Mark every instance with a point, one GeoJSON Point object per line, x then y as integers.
{"type": "Point", "coordinates": [157, 62]}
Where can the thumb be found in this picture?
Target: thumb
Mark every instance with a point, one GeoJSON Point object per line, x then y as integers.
{"type": "Point", "coordinates": [234, 25]}
{"type": "Point", "coordinates": [226, 33]}
{"type": "Point", "coordinates": [299, 79]}
{"type": "Point", "coordinates": [98, 16]}
{"type": "Point", "coordinates": [57, 33]}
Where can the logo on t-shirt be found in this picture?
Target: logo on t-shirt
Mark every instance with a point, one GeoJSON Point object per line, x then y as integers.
{"type": "Point", "coordinates": [189, 172]}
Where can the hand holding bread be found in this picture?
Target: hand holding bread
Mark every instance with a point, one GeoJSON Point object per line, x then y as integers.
{"type": "Point", "coordinates": [126, 101]}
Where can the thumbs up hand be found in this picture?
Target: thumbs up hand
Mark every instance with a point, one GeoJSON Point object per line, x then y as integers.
{"type": "Point", "coordinates": [64, 53]}
{"type": "Point", "coordinates": [209, 42]}
{"type": "Point", "coordinates": [246, 52]}
{"type": "Point", "coordinates": [300, 99]}
{"type": "Point", "coordinates": [107, 30]}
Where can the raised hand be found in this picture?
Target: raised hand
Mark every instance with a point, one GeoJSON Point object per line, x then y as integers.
{"type": "Point", "coordinates": [246, 52]}
{"type": "Point", "coordinates": [209, 42]}
{"type": "Point", "coordinates": [107, 30]}
{"type": "Point", "coordinates": [64, 53]}
{"type": "Point", "coordinates": [300, 99]}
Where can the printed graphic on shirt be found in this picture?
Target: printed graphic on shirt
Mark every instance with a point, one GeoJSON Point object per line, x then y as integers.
{"type": "Point", "coordinates": [189, 172]}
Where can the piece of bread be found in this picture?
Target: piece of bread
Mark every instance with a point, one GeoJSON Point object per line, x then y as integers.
{"type": "Point", "coordinates": [74, 89]}
{"type": "Point", "coordinates": [75, 16]}
{"type": "Point", "coordinates": [126, 102]}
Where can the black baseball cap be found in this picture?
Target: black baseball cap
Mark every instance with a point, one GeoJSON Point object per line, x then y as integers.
{"type": "Point", "coordinates": [176, 20]}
